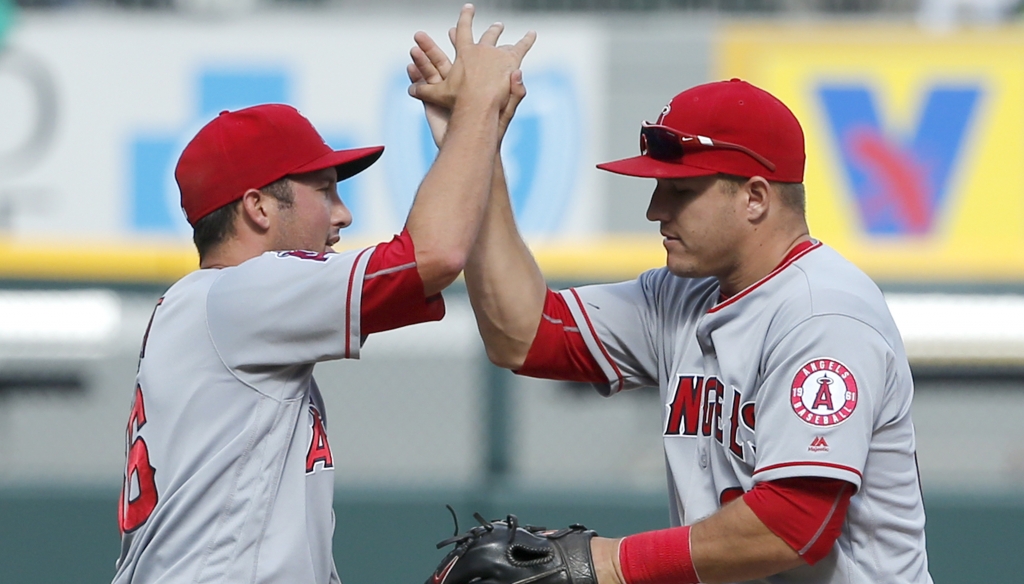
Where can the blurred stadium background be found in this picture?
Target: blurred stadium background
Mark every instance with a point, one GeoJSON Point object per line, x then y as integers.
{"type": "Point", "coordinates": [914, 114]}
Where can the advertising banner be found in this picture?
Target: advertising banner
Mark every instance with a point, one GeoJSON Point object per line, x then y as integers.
{"type": "Point", "coordinates": [915, 141]}
{"type": "Point", "coordinates": [97, 108]}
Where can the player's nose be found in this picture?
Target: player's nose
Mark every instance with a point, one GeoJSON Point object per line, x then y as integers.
{"type": "Point", "coordinates": [341, 217]}
{"type": "Point", "coordinates": [657, 210]}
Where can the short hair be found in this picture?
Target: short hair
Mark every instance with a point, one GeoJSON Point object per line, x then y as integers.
{"type": "Point", "coordinates": [793, 195]}
{"type": "Point", "coordinates": [215, 228]}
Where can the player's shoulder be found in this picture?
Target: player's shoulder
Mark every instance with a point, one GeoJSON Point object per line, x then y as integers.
{"type": "Point", "coordinates": [297, 259]}
{"type": "Point", "coordinates": [667, 290]}
{"type": "Point", "coordinates": [657, 283]}
{"type": "Point", "coordinates": [194, 283]}
{"type": "Point", "coordinates": [276, 268]}
{"type": "Point", "coordinates": [835, 283]}
{"type": "Point", "coordinates": [665, 283]}
{"type": "Point", "coordinates": [824, 283]}
{"type": "Point", "coordinates": [656, 292]}
{"type": "Point", "coordinates": [272, 277]}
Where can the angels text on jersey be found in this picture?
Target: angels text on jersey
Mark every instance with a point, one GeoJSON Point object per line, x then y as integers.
{"type": "Point", "coordinates": [823, 393]}
{"type": "Point", "coordinates": [696, 410]}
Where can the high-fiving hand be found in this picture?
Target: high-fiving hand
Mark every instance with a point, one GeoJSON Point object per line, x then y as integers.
{"type": "Point", "coordinates": [481, 70]}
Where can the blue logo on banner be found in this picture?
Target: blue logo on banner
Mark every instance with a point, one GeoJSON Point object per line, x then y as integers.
{"type": "Point", "coordinates": [900, 183]}
{"type": "Point", "coordinates": [155, 205]}
{"type": "Point", "coordinates": [540, 152]}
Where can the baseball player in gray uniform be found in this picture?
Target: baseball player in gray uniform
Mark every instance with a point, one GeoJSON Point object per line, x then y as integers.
{"type": "Point", "coordinates": [785, 386]}
{"type": "Point", "coordinates": [229, 472]}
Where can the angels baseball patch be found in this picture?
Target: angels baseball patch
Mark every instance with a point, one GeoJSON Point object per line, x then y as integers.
{"type": "Point", "coordinates": [824, 392]}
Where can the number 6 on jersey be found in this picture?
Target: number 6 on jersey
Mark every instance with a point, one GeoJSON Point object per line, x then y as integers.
{"type": "Point", "coordinates": [138, 492]}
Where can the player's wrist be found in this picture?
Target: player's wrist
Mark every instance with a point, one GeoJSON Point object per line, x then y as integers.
{"type": "Point", "coordinates": [478, 106]}
{"type": "Point", "coordinates": [658, 557]}
{"type": "Point", "coordinates": [489, 104]}
{"type": "Point", "coordinates": [605, 554]}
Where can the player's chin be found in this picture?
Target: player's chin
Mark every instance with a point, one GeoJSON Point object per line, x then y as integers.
{"type": "Point", "coordinates": [684, 267]}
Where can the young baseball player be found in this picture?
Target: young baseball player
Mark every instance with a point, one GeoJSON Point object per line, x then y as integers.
{"type": "Point", "coordinates": [785, 386]}
{"type": "Point", "coordinates": [229, 467]}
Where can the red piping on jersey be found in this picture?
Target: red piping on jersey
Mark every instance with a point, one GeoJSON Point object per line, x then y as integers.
{"type": "Point", "coordinates": [825, 464]}
{"type": "Point", "coordinates": [348, 304]}
{"type": "Point", "coordinates": [593, 333]}
{"type": "Point", "coordinates": [785, 264]}
{"type": "Point", "coordinates": [390, 270]}
{"type": "Point", "coordinates": [825, 523]}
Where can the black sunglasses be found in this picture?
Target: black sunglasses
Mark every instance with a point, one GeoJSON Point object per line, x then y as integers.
{"type": "Point", "coordinates": [666, 144]}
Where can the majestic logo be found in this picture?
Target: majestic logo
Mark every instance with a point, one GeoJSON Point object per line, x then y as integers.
{"type": "Point", "coordinates": [900, 182]}
{"type": "Point", "coordinates": [824, 393]}
{"type": "Point", "coordinates": [818, 445]}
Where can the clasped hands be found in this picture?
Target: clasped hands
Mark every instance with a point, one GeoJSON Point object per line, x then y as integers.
{"type": "Point", "coordinates": [481, 72]}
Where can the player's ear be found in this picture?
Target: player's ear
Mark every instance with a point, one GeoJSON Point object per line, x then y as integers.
{"type": "Point", "coordinates": [758, 194]}
{"type": "Point", "coordinates": [255, 209]}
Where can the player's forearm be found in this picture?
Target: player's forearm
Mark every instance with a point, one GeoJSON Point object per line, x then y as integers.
{"type": "Point", "coordinates": [446, 215]}
{"type": "Point", "coordinates": [730, 546]}
{"type": "Point", "coordinates": [733, 545]}
{"type": "Point", "coordinates": [506, 287]}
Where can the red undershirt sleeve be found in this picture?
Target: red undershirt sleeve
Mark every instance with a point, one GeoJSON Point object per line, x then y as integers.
{"type": "Point", "coordinates": [805, 512]}
{"type": "Point", "coordinates": [658, 557]}
{"type": "Point", "coordinates": [393, 293]}
{"type": "Point", "coordinates": [558, 350]}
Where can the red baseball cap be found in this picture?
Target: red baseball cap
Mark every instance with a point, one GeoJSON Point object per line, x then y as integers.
{"type": "Point", "coordinates": [728, 127]}
{"type": "Point", "coordinates": [251, 148]}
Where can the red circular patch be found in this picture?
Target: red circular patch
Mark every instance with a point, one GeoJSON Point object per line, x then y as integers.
{"type": "Point", "coordinates": [824, 392]}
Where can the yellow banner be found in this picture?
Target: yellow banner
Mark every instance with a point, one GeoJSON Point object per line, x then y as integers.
{"type": "Point", "coordinates": [162, 262]}
{"type": "Point", "coordinates": [915, 141]}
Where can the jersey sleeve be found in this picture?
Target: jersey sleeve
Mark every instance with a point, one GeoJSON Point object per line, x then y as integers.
{"type": "Point", "coordinates": [393, 294]}
{"type": "Point", "coordinates": [824, 383]}
{"type": "Point", "coordinates": [618, 325]}
{"type": "Point", "coordinates": [806, 513]}
{"type": "Point", "coordinates": [558, 350]}
{"type": "Point", "coordinates": [288, 308]}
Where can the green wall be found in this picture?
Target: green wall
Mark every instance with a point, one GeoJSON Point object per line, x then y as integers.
{"type": "Point", "coordinates": [6, 17]}
{"type": "Point", "coordinates": [51, 537]}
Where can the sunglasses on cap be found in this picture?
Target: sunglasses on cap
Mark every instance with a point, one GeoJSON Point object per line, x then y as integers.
{"type": "Point", "coordinates": [668, 145]}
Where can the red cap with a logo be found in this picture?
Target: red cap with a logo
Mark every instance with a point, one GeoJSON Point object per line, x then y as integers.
{"type": "Point", "coordinates": [251, 148]}
{"type": "Point", "coordinates": [728, 127]}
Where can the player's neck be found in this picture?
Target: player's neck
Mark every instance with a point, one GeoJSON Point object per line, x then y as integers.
{"type": "Point", "coordinates": [761, 259]}
{"type": "Point", "coordinates": [230, 253]}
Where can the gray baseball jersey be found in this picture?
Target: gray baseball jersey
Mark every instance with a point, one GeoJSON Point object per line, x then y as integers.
{"type": "Point", "coordinates": [229, 470]}
{"type": "Point", "coordinates": [802, 374]}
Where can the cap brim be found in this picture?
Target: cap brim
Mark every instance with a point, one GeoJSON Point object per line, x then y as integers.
{"type": "Point", "coordinates": [647, 167]}
{"type": "Point", "coordinates": [348, 162]}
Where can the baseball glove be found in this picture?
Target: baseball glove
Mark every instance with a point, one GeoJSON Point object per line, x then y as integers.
{"type": "Point", "coordinates": [504, 552]}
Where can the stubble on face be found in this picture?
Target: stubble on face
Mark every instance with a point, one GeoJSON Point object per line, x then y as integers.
{"type": "Point", "coordinates": [698, 218]}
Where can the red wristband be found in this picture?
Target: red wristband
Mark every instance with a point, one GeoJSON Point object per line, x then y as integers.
{"type": "Point", "coordinates": [658, 557]}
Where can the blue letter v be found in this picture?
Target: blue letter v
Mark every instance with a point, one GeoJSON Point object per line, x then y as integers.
{"type": "Point", "coordinates": [899, 185]}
